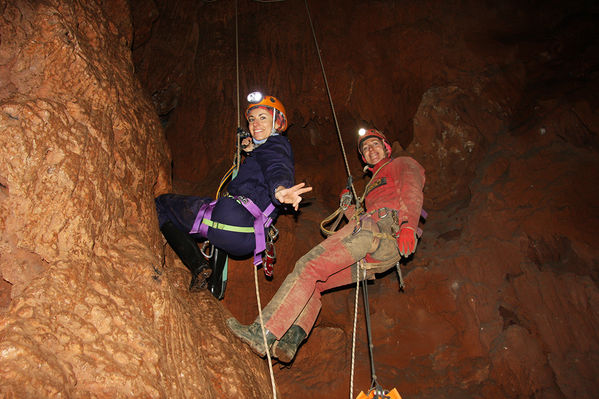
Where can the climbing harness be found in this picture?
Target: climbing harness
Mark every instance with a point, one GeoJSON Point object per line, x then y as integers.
{"type": "Point", "coordinates": [344, 205]}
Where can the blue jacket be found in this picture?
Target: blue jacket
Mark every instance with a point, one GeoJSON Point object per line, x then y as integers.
{"type": "Point", "coordinates": [263, 170]}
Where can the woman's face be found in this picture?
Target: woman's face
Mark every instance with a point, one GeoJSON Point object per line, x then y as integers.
{"type": "Point", "coordinates": [260, 123]}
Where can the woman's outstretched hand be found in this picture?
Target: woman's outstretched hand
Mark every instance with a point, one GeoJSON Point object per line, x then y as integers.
{"type": "Point", "coordinates": [291, 195]}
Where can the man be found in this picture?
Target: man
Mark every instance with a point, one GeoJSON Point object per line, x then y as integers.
{"type": "Point", "coordinates": [393, 199]}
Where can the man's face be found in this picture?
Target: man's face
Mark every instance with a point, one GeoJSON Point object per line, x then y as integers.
{"type": "Point", "coordinates": [373, 150]}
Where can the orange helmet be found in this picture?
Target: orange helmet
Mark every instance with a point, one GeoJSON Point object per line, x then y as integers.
{"type": "Point", "coordinates": [366, 134]}
{"type": "Point", "coordinates": [256, 100]}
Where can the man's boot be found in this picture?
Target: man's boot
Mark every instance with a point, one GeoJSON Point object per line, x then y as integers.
{"type": "Point", "coordinates": [286, 348]}
{"type": "Point", "coordinates": [187, 250]}
{"type": "Point", "coordinates": [217, 282]}
{"type": "Point", "coordinates": [251, 335]}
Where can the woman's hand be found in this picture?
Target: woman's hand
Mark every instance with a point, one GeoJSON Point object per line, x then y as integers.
{"type": "Point", "coordinates": [247, 144]}
{"type": "Point", "coordinates": [291, 195]}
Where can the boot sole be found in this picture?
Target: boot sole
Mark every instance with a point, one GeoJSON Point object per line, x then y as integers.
{"type": "Point", "coordinates": [200, 281]}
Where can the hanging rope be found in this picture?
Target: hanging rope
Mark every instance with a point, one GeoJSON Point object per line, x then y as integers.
{"type": "Point", "coordinates": [272, 376]}
{"type": "Point", "coordinates": [326, 83]}
{"type": "Point", "coordinates": [238, 154]}
{"type": "Point", "coordinates": [237, 158]}
{"type": "Point", "coordinates": [353, 343]}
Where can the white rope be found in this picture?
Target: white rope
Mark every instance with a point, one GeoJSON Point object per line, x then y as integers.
{"type": "Point", "coordinates": [326, 83]}
{"type": "Point", "coordinates": [353, 344]}
{"type": "Point", "coordinates": [272, 376]}
{"type": "Point", "coordinates": [238, 154]}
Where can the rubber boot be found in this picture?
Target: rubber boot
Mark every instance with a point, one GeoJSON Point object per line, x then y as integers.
{"type": "Point", "coordinates": [251, 335]}
{"type": "Point", "coordinates": [286, 348]}
{"type": "Point", "coordinates": [187, 250]}
{"type": "Point", "coordinates": [217, 263]}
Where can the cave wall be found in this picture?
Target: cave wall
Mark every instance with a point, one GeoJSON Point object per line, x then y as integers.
{"type": "Point", "coordinates": [91, 306]}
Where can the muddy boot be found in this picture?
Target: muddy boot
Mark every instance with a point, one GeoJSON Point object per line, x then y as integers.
{"type": "Point", "coordinates": [251, 335]}
{"type": "Point", "coordinates": [187, 250]}
{"type": "Point", "coordinates": [286, 348]}
{"type": "Point", "coordinates": [218, 281]}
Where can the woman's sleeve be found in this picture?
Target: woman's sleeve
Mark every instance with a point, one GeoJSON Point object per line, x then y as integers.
{"type": "Point", "coordinates": [276, 161]}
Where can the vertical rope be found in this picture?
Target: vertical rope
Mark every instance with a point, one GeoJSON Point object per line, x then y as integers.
{"type": "Point", "coordinates": [272, 376]}
{"type": "Point", "coordinates": [353, 344]}
{"type": "Point", "coordinates": [237, 160]}
{"type": "Point", "coordinates": [238, 153]}
{"type": "Point", "coordinates": [237, 62]}
{"type": "Point", "coordinates": [326, 83]}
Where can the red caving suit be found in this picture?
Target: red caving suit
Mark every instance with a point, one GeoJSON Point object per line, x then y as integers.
{"type": "Point", "coordinates": [396, 185]}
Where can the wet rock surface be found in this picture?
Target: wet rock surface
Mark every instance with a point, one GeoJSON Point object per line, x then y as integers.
{"type": "Point", "coordinates": [498, 102]}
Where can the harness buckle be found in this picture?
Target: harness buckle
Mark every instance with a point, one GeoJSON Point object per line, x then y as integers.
{"type": "Point", "coordinates": [242, 199]}
{"type": "Point", "coordinates": [273, 233]}
{"type": "Point", "coordinates": [203, 250]}
{"type": "Point", "coordinates": [383, 212]}
{"type": "Point", "coordinates": [357, 228]}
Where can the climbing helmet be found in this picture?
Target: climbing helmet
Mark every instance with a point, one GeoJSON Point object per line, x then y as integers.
{"type": "Point", "coordinates": [256, 99]}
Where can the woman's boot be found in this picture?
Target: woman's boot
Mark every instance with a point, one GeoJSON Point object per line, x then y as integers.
{"type": "Point", "coordinates": [187, 250]}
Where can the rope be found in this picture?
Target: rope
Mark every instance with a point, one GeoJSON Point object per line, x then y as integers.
{"type": "Point", "coordinates": [326, 83]}
{"type": "Point", "coordinates": [272, 376]}
{"type": "Point", "coordinates": [236, 164]}
{"type": "Point", "coordinates": [353, 344]}
{"type": "Point", "coordinates": [238, 154]}
{"type": "Point", "coordinates": [368, 332]}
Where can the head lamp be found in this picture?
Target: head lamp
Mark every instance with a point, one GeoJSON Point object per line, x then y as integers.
{"type": "Point", "coordinates": [361, 132]}
{"type": "Point", "coordinates": [255, 97]}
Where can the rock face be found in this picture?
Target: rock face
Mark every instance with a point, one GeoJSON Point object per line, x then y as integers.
{"type": "Point", "coordinates": [498, 103]}
{"type": "Point", "coordinates": [90, 307]}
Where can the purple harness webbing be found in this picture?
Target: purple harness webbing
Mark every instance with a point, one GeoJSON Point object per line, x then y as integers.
{"type": "Point", "coordinates": [205, 212]}
{"type": "Point", "coordinates": [261, 219]}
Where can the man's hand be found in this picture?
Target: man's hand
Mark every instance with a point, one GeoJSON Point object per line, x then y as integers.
{"type": "Point", "coordinates": [406, 241]}
{"type": "Point", "coordinates": [291, 195]}
{"type": "Point", "coordinates": [345, 199]}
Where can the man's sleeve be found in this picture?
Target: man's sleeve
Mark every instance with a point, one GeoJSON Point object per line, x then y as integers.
{"type": "Point", "coordinates": [411, 179]}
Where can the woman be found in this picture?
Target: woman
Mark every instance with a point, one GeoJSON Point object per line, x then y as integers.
{"type": "Point", "coordinates": [236, 223]}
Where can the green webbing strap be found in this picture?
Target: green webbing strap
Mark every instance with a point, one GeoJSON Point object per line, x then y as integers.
{"type": "Point", "coordinates": [227, 227]}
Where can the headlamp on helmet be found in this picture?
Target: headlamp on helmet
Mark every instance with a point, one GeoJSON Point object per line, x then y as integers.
{"type": "Point", "coordinates": [365, 134]}
{"type": "Point", "coordinates": [255, 97]}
